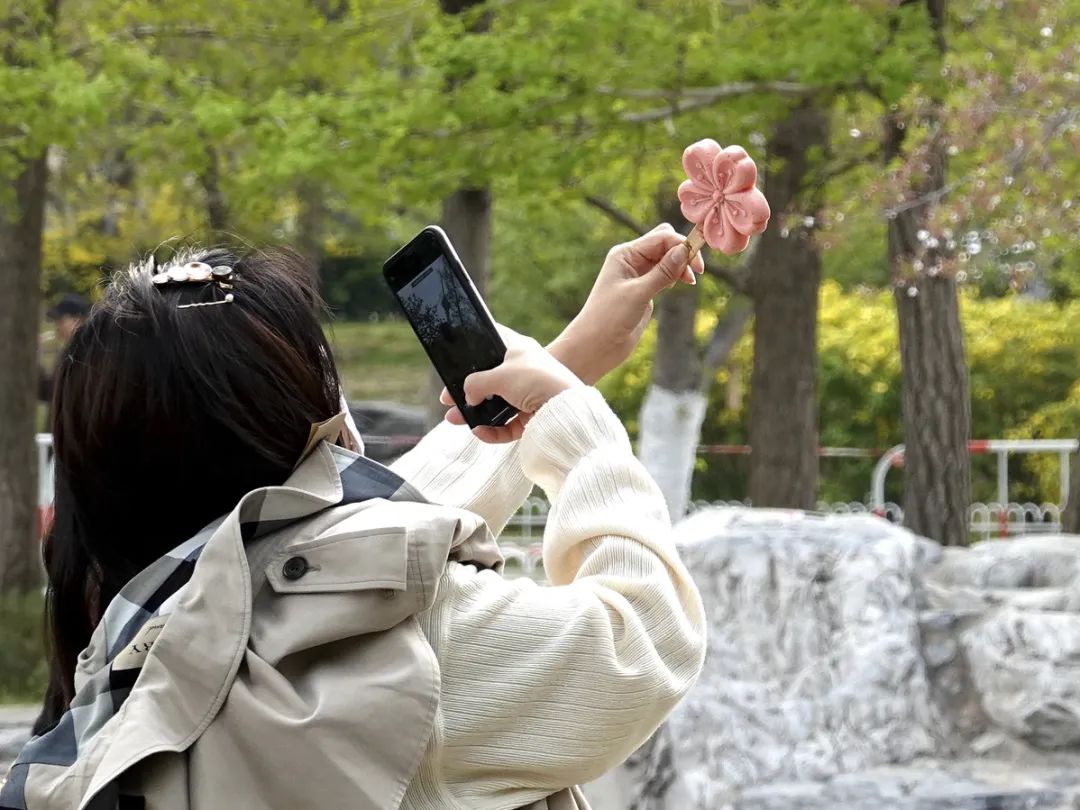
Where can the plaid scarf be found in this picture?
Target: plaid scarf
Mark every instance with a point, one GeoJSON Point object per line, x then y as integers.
{"type": "Point", "coordinates": [139, 612]}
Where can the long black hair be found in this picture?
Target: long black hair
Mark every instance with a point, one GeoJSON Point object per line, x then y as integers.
{"type": "Point", "coordinates": [163, 418]}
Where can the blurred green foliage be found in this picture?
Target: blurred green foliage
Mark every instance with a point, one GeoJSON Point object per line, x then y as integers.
{"type": "Point", "coordinates": [1023, 359]}
{"type": "Point", "coordinates": [380, 360]}
{"type": "Point", "coordinates": [368, 113]}
{"type": "Point", "coordinates": [22, 652]}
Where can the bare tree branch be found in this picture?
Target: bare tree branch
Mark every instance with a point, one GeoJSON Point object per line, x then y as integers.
{"type": "Point", "coordinates": [1053, 126]}
{"type": "Point", "coordinates": [696, 98]}
{"type": "Point", "coordinates": [839, 168]}
{"type": "Point", "coordinates": [666, 112]}
{"type": "Point", "coordinates": [725, 335]}
{"type": "Point", "coordinates": [730, 90]}
{"type": "Point", "coordinates": [735, 277]}
{"type": "Point", "coordinates": [929, 198]}
{"type": "Point", "coordinates": [732, 277]}
{"type": "Point", "coordinates": [616, 214]}
{"type": "Point", "coordinates": [727, 275]}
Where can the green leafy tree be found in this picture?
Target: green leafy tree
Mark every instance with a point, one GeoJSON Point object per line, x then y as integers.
{"type": "Point", "coordinates": [1023, 385]}
{"type": "Point", "coordinates": [48, 97]}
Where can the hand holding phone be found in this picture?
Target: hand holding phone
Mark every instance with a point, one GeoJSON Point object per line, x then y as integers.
{"type": "Point", "coordinates": [450, 319]}
{"type": "Point", "coordinates": [527, 379]}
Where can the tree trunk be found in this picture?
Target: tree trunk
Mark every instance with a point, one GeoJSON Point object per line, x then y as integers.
{"type": "Point", "coordinates": [674, 406]}
{"type": "Point", "coordinates": [936, 411]}
{"type": "Point", "coordinates": [21, 229]}
{"type": "Point", "coordinates": [217, 209]}
{"type": "Point", "coordinates": [466, 214]}
{"type": "Point", "coordinates": [1071, 519]}
{"type": "Point", "coordinates": [310, 221]}
{"type": "Point", "coordinates": [724, 337]}
{"type": "Point", "coordinates": [783, 281]}
{"type": "Point", "coordinates": [466, 218]}
{"type": "Point", "coordinates": [936, 405]}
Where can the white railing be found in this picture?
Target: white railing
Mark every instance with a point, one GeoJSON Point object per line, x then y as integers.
{"type": "Point", "coordinates": [45, 480]}
{"type": "Point", "coordinates": [1003, 518]}
{"type": "Point", "coordinates": [1010, 519]}
{"type": "Point", "coordinates": [524, 533]}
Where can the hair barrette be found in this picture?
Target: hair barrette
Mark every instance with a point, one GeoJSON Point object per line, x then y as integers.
{"type": "Point", "coordinates": [197, 273]}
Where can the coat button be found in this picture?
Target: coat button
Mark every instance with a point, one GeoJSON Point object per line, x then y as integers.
{"type": "Point", "coordinates": [294, 568]}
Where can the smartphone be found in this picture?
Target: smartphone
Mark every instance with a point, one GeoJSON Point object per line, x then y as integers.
{"type": "Point", "coordinates": [450, 319]}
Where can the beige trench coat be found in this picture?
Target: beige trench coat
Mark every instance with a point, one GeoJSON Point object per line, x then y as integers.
{"type": "Point", "coordinates": [269, 691]}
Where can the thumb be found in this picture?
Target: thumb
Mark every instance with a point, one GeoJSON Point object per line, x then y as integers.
{"type": "Point", "coordinates": [668, 271]}
{"type": "Point", "coordinates": [480, 385]}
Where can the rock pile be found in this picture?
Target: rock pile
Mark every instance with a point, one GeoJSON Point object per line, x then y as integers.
{"type": "Point", "coordinates": [852, 664]}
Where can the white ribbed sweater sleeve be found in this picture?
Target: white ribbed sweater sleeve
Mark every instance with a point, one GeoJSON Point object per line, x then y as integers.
{"type": "Point", "coordinates": [547, 687]}
{"type": "Point", "coordinates": [452, 467]}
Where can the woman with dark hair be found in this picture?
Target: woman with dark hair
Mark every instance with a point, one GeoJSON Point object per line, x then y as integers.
{"type": "Point", "coordinates": [245, 611]}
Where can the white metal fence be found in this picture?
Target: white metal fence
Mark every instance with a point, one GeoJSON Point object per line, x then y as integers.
{"type": "Point", "coordinates": [1002, 448]}
{"type": "Point", "coordinates": [1002, 518]}
{"type": "Point", "coordinates": [521, 540]}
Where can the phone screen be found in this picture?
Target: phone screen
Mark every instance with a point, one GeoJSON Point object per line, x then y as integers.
{"type": "Point", "coordinates": [458, 337]}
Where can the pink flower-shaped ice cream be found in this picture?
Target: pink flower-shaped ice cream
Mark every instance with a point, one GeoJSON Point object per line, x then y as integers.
{"type": "Point", "coordinates": [720, 196]}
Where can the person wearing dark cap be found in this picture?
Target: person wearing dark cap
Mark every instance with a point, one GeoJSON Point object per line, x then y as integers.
{"type": "Point", "coordinates": [68, 314]}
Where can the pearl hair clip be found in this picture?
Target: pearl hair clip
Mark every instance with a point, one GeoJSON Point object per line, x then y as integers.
{"type": "Point", "coordinates": [197, 273]}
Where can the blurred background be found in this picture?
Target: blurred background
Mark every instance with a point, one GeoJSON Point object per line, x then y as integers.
{"type": "Point", "coordinates": [917, 286]}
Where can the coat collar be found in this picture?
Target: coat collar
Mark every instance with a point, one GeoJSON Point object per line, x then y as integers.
{"type": "Point", "coordinates": [192, 662]}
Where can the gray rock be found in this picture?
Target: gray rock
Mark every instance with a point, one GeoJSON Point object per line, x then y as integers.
{"type": "Point", "coordinates": [854, 665]}
{"type": "Point", "coordinates": [815, 665]}
{"type": "Point", "coordinates": [983, 784]}
{"type": "Point", "coordinates": [1039, 573]}
{"type": "Point", "coordinates": [1026, 667]}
